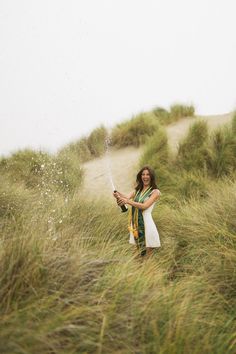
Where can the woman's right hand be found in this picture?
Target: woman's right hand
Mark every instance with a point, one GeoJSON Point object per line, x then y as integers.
{"type": "Point", "coordinates": [119, 201]}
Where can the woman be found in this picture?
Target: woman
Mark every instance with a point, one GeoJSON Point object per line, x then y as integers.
{"type": "Point", "coordinates": [143, 231]}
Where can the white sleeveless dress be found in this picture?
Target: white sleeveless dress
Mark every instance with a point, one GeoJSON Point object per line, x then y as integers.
{"type": "Point", "coordinates": [152, 238]}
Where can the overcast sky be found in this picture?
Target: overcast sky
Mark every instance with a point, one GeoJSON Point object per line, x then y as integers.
{"type": "Point", "coordinates": [68, 66]}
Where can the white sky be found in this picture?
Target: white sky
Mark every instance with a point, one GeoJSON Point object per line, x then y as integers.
{"type": "Point", "coordinates": [68, 66]}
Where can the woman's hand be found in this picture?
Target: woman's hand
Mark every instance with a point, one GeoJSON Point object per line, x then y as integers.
{"type": "Point", "coordinates": [116, 194]}
{"type": "Point", "coordinates": [118, 197]}
{"type": "Point", "coordinates": [122, 200]}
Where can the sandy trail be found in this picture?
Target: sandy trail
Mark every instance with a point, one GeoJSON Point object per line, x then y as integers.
{"type": "Point", "coordinates": [123, 163]}
{"type": "Point", "coordinates": [120, 164]}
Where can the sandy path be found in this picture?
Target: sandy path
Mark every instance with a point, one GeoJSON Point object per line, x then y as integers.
{"type": "Point", "coordinates": [120, 164]}
{"type": "Point", "coordinates": [123, 163]}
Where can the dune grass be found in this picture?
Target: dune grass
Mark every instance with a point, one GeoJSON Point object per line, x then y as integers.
{"type": "Point", "coordinates": [175, 112]}
{"type": "Point", "coordinates": [201, 158]}
{"type": "Point", "coordinates": [87, 148]}
{"type": "Point", "coordinates": [157, 154]}
{"type": "Point", "coordinates": [134, 131]}
{"type": "Point", "coordinates": [69, 280]}
{"type": "Point", "coordinates": [74, 286]}
{"type": "Point", "coordinates": [213, 153]}
{"type": "Point", "coordinates": [131, 132]}
{"type": "Point", "coordinates": [178, 111]}
{"type": "Point", "coordinates": [193, 149]}
{"type": "Point", "coordinates": [223, 151]}
{"type": "Point", "coordinates": [41, 171]}
{"type": "Point", "coordinates": [156, 150]}
{"type": "Point", "coordinates": [234, 123]}
{"type": "Point", "coordinates": [137, 130]}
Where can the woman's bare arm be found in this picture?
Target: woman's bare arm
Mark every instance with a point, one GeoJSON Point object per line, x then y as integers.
{"type": "Point", "coordinates": [121, 195]}
{"type": "Point", "coordinates": [154, 196]}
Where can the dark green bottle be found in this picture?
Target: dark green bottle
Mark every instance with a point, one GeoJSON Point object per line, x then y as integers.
{"type": "Point", "coordinates": [123, 207]}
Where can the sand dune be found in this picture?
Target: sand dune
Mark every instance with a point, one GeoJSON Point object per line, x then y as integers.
{"type": "Point", "coordinates": [176, 131]}
{"type": "Point", "coordinates": [123, 163]}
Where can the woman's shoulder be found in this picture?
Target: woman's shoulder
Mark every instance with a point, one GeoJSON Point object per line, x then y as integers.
{"type": "Point", "coordinates": [156, 191]}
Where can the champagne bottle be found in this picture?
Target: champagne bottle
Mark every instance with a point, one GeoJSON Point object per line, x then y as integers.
{"type": "Point", "coordinates": [123, 207]}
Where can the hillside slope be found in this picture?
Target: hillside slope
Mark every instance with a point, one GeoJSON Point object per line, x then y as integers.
{"type": "Point", "coordinates": [123, 163]}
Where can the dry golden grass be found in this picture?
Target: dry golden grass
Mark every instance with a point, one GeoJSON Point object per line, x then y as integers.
{"type": "Point", "coordinates": [70, 282]}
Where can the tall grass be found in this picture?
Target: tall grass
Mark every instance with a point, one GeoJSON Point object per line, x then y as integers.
{"type": "Point", "coordinates": [193, 150]}
{"type": "Point", "coordinates": [25, 165]}
{"type": "Point", "coordinates": [69, 282]}
{"type": "Point", "coordinates": [41, 171]}
{"type": "Point", "coordinates": [163, 115]}
{"type": "Point", "coordinates": [132, 132]}
{"type": "Point", "coordinates": [201, 158]}
{"type": "Point", "coordinates": [13, 199]}
{"type": "Point", "coordinates": [176, 112]}
{"type": "Point", "coordinates": [172, 171]}
{"type": "Point", "coordinates": [234, 123]}
{"type": "Point", "coordinates": [96, 141]}
{"type": "Point", "coordinates": [88, 147]}
{"type": "Point", "coordinates": [156, 153]}
{"type": "Point", "coordinates": [156, 149]}
{"type": "Point", "coordinates": [78, 289]}
{"type": "Point", "coordinates": [223, 151]}
{"type": "Point", "coordinates": [135, 131]}
{"type": "Point", "coordinates": [79, 148]}
{"type": "Point", "coordinates": [215, 154]}
{"type": "Point", "coordinates": [192, 184]}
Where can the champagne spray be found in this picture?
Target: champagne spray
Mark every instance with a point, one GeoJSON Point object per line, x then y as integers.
{"type": "Point", "coordinates": [107, 142]}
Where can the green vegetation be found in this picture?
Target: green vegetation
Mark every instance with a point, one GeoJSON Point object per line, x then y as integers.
{"type": "Point", "coordinates": [134, 131]}
{"type": "Point", "coordinates": [13, 199]}
{"type": "Point", "coordinates": [41, 171]}
{"type": "Point", "coordinates": [69, 282]}
{"type": "Point", "coordinates": [191, 184]}
{"type": "Point", "coordinates": [193, 150]}
{"type": "Point", "coordinates": [89, 147]}
{"type": "Point", "coordinates": [157, 154]}
{"type": "Point", "coordinates": [156, 150]}
{"type": "Point", "coordinates": [201, 158]}
{"type": "Point", "coordinates": [176, 112]}
{"type": "Point", "coordinates": [223, 152]}
{"type": "Point", "coordinates": [234, 123]}
{"type": "Point", "coordinates": [137, 130]}
{"type": "Point", "coordinates": [162, 115]}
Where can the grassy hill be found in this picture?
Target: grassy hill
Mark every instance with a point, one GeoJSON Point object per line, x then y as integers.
{"type": "Point", "coordinates": [69, 280]}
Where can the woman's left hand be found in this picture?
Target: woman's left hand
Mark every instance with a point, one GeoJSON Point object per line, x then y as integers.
{"type": "Point", "coordinates": [116, 194]}
{"type": "Point", "coordinates": [122, 200]}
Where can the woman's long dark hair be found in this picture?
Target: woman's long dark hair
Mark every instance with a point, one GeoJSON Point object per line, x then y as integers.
{"type": "Point", "coordinates": [139, 181]}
